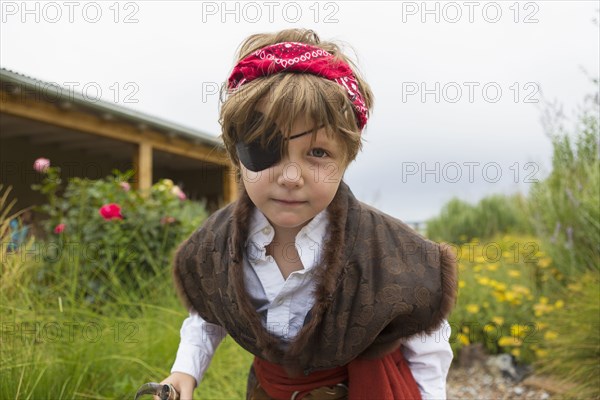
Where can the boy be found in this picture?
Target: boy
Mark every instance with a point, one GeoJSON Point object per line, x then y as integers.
{"type": "Point", "coordinates": [334, 298]}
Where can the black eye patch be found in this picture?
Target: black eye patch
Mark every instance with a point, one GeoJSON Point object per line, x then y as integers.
{"type": "Point", "coordinates": [256, 157]}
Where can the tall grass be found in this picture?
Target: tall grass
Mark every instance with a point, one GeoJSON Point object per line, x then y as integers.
{"type": "Point", "coordinates": [55, 345]}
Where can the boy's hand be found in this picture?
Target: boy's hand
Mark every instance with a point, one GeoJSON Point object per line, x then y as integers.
{"type": "Point", "coordinates": [183, 383]}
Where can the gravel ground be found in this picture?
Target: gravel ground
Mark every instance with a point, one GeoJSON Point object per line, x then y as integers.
{"type": "Point", "coordinates": [477, 383]}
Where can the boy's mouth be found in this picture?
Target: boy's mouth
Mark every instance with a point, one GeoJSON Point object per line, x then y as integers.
{"type": "Point", "coordinates": [289, 202]}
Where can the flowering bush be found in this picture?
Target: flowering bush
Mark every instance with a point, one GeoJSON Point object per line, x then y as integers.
{"type": "Point", "coordinates": [503, 292]}
{"type": "Point", "coordinates": [107, 235]}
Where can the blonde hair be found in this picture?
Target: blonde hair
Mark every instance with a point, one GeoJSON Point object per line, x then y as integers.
{"type": "Point", "coordinates": [288, 96]}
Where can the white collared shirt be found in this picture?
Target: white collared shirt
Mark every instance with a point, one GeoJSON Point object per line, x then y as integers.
{"type": "Point", "coordinates": [284, 304]}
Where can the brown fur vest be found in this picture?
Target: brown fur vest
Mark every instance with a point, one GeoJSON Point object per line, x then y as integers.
{"type": "Point", "coordinates": [378, 282]}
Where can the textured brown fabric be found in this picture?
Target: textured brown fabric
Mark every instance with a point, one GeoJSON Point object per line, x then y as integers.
{"type": "Point", "coordinates": [378, 282]}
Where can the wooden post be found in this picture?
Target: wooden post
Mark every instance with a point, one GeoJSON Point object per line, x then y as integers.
{"type": "Point", "coordinates": [230, 184]}
{"type": "Point", "coordinates": [142, 164]}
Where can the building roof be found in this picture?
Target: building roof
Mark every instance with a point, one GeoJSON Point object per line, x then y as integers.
{"type": "Point", "coordinates": [109, 110]}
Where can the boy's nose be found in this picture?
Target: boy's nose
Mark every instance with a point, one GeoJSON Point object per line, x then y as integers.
{"type": "Point", "coordinates": [290, 175]}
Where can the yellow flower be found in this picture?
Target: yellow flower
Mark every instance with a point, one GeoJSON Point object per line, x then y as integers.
{"type": "Point", "coordinates": [550, 335]}
{"type": "Point", "coordinates": [519, 330]}
{"type": "Point", "coordinates": [521, 289]}
{"type": "Point", "coordinates": [477, 268]}
{"type": "Point", "coordinates": [542, 325]}
{"type": "Point", "coordinates": [464, 339]}
{"type": "Point", "coordinates": [513, 273]}
{"type": "Point", "coordinates": [483, 281]}
{"type": "Point", "coordinates": [510, 296]}
{"type": "Point", "coordinates": [492, 267]}
{"type": "Point", "coordinates": [544, 262]}
{"type": "Point", "coordinates": [575, 287]}
{"type": "Point", "coordinates": [541, 353]}
{"type": "Point", "coordinates": [500, 297]}
{"type": "Point", "coordinates": [559, 304]}
{"type": "Point", "coordinates": [543, 300]}
{"type": "Point", "coordinates": [505, 341]}
{"type": "Point", "coordinates": [487, 328]}
{"type": "Point", "coordinates": [480, 259]}
{"type": "Point", "coordinates": [461, 284]}
{"type": "Point", "coordinates": [498, 320]}
{"type": "Point", "coordinates": [515, 352]}
{"type": "Point", "coordinates": [472, 308]}
{"type": "Point", "coordinates": [465, 329]}
{"type": "Point", "coordinates": [486, 304]}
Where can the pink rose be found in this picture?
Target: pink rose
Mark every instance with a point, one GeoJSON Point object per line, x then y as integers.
{"type": "Point", "coordinates": [125, 186]}
{"type": "Point", "coordinates": [167, 220]}
{"type": "Point", "coordinates": [41, 165]}
{"type": "Point", "coordinates": [59, 228]}
{"type": "Point", "coordinates": [110, 211]}
{"type": "Point", "coordinates": [178, 192]}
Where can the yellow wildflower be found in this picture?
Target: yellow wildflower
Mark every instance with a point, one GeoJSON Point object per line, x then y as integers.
{"type": "Point", "coordinates": [480, 259]}
{"type": "Point", "coordinates": [477, 268]}
{"type": "Point", "coordinates": [510, 296]}
{"type": "Point", "coordinates": [487, 328]}
{"type": "Point", "coordinates": [492, 267]}
{"type": "Point", "coordinates": [515, 352]}
{"type": "Point", "coordinates": [500, 297]}
{"type": "Point", "coordinates": [465, 329]}
{"type": "Point", "coordinates": [519, 330]}
{"type": "Point", "coordinates": [544, 262]}
{"type": "Point", "coordinates": [472, 308]}
{"type": "Point", "coordinates": [575, 287]}
{"type": "Point", "coordinates": [543, 300]}
{"type": "Point", "coordinates": [541, 353]}
{"type": "Point", "coordinates": [513, 273]}
{"type": "Point", "coordinates": [505, 341]}
{"type": "Point", "coordinates": [464, 339]}
{"type": "Point", "coordinates": [498, 320]}
{"type": "Point", "coordinates": [559, 304]}
{"type": "Point", "coordinates": [550, 335]}
{"type": "Point", "coordinates": [483, 281]}
{"type": "Point", "coordinates": [461, 284]}
{"type": "Point", "coordinates": [521, 289]}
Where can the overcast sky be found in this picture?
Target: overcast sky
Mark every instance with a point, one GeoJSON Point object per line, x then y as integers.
{"type": "Point", "coordinates": [455, 83]}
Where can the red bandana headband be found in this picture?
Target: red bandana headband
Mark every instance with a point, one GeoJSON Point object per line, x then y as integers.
{"type": "Point", "coordinates": [300, 57]}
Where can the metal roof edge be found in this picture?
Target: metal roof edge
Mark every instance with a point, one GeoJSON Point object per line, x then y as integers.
{"type": "Point", "coordinates": [103, 106]}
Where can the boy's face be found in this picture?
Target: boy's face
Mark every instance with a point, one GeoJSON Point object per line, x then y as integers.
{"type": "Point", "coordinates": [302, 184]}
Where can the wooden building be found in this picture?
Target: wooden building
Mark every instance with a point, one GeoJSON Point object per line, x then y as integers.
{"type": "Point", "coordinates": [91, 138]}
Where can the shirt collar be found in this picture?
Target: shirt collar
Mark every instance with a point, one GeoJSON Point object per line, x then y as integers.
{"type": "Point", "coordinates": [261, 232]}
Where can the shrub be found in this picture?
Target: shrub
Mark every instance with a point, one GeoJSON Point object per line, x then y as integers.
{"type": "Point", "coordinates": [105, 236]}
{"type": "Point", "coordinates": [459, 221]}
{"type": "Point", "coordinates": [502, 291]}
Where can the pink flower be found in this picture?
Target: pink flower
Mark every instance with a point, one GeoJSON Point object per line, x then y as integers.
{"type": "Point", "coordinates": [167, 220]}
{"type": "Point", "coordinates": [41, 165]}
{"type": "Point", "coordinates": [178, 192]}
{"type": "Point", "coordinates": [110, 211]}
{"type": "Point", "coordinates": [125, 186]}
{"type": "Point", "coordinates": [59, 228]}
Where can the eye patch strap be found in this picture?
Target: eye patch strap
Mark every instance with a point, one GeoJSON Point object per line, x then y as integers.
{"type": "Point", "coordinates": [257, 158]}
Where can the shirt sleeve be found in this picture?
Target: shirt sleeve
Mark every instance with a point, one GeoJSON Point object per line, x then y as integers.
{"type": "Point", "coordinates": [199, 341]}
{"type": "Point", "coordinates": [429, 358]}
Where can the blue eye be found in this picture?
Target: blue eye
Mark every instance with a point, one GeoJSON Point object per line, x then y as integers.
{"type": "Point", "coordinates": [318, 152]}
